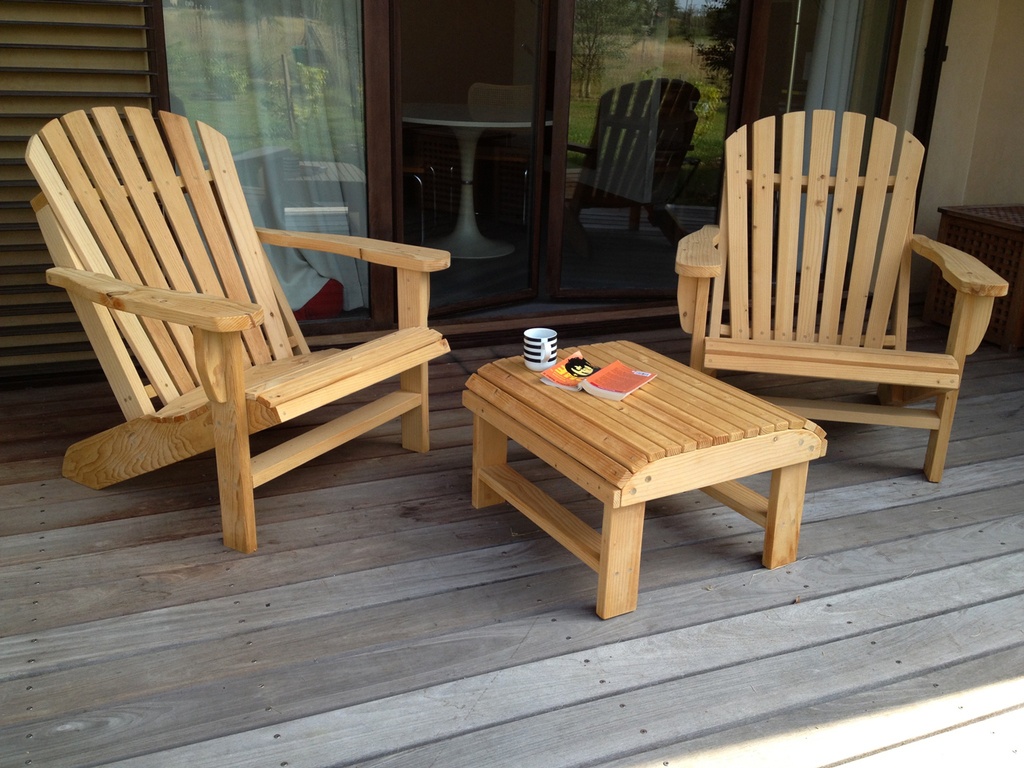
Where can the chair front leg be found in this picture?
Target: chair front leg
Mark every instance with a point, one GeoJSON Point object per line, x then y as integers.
{"type": "Point", "coordinates": [416, 422]}
{"type": "Point", "coordinates": [219, 358]}
{"type": "Point", "coordinates": [413, 304]}
{"type": "Point", "coordinates": [692, 297]}
{"type": "Point", "coordinates": [938, 439]}
{"type": "Point", "coordinates": [967, 326]}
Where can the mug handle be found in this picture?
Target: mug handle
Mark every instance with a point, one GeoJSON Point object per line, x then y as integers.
{"type": "Point", "coordinates": [547, 350]}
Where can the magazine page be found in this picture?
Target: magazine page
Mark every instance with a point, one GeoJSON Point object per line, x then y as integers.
{"type": "Point", "coordinates": [616, 380]}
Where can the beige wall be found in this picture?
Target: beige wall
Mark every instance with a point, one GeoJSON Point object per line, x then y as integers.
{"type": "Point", "coordinates": [975, 155]}
{"type": "Point", "coordinates": [997, 163]}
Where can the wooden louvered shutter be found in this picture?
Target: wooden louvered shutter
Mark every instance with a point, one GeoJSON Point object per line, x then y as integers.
{"type": "Point", "coordinates": [57, 56]}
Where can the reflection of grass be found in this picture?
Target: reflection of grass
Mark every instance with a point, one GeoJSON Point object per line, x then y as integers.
{"type": "Point", "coordinates": [582, 115]}
{"type": "Point", "coordinates": [673, 57]}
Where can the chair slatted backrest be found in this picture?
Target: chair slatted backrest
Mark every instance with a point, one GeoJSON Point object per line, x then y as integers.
{"type": "Point", "coordinates": [815, 234]}
{"type": "Point", "coordinates": [642, 135]}
{"type": "Point", "coordinates": [130, 200]}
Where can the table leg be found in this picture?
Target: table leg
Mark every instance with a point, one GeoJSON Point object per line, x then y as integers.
{"type": "Point", "coordinates": [785, 510]}
{"type": "Point", "coordinates": [618, 576]}
{"type": "Point", "coordinates": [466, 241]}
{"type": "Point", "coordinates": [490, 448]}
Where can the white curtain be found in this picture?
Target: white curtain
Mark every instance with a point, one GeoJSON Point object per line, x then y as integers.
{"type": "Point", "coordinates": [282, 79]}
{"type": "Point", "coordinates": [834, 55]}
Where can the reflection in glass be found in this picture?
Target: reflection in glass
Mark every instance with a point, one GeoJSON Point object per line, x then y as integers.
{"type": "Point", "coordinates": [468, 132]}
{"type": "Point", "coordinates": [646, 121]}
{"type": "Point", "coordinates": [283, 81]}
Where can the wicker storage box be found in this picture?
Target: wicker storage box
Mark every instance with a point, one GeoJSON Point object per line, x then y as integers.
{"type": "Point", "coordinates": [995, 235]}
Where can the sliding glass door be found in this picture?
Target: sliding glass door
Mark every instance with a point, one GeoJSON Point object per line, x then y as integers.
{"type": "Point", "coordinates": [557, 148]}
{"type": "Point", "coordinates": [653, 89]}
{"type": "Point", "coordinates": [471, 119]}
{"type": "Point", "coordinates": [826, 54]}
{"type": "Point", "coordinates": [637, 147]}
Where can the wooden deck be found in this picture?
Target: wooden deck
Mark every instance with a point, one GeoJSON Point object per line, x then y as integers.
{"type": "Point", "coordinates": [385, 622]}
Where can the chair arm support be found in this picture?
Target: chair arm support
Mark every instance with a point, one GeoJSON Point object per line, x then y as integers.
{"type": "Point", "coordinates": [697, 262]}
{"type": "Point", "coordinates": [961, 270]}
{"type": "Point", "coordinates": [209, 313]}
{"type": "Point", "coordinates": [398, 255]}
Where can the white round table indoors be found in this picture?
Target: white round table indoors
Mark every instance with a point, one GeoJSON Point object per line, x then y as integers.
{"type": "Point", "coordinates": [466, 241]}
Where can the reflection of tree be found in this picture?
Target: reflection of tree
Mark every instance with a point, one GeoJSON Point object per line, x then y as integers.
{"type": "Point", "coordinates": [723, 18]}
{"type": "Point", "coordinates": [605, 29]}
{"type": "Point", "coordinates": [599, 34]}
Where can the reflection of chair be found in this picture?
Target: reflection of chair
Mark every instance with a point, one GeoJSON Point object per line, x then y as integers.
{"type": "Point", "coordinates": [809, 274]}
{"type": "Point", "coordinates": [169, 272]}
{"type": "Point", "coordinates": [638, 150]}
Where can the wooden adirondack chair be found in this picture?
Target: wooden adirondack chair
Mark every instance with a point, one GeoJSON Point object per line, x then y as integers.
{"type": "Point", "coordinates": [170, 280]}
{"type": "Point", "coordinates": [808, 273]}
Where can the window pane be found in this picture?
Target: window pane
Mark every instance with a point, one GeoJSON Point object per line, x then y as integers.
{"type": "Point", "coordinates": [646, 124]}
{"type": "Point", "coordinates": [469, 125]}
{"type": "Point", "coordinates": [282, 79]}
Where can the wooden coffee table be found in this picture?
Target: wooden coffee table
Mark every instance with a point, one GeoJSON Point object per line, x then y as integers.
{"type": "Point", "coordinates": [680, 432]}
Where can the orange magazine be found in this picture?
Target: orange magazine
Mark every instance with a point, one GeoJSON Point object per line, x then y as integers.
{"type": "Point", "coordinates": [616, 380]}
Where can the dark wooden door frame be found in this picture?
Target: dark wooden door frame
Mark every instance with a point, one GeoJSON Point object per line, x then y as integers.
{"type": "Point", "coordinates": [561, 85]}
{"type": "Point", "coordinates": [934, 56]}
{"type": "Point", "coordinates": [382, 66]}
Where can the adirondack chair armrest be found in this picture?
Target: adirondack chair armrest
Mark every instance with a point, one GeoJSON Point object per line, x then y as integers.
{"type": "Point", "coordinates": [697, 253]}
{"type": "Point", "coordinates": [209, 313]}
{"type": "Point", "coordinates": [976, 285]}
{"type": "Point", "coordinates": [397, 255]}
{"type": "Point", "coordinates": [961, 270]}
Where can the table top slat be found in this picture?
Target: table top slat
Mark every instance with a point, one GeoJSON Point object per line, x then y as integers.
{"type": "Point", "coordinates": [594, 415]}
{"type": "Point", "coordinates": [704, 424]}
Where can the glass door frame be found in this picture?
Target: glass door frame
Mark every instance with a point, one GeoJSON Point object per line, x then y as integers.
{"type": "Point", "coordinates": [384, 100]}
{"type": "Point", "coordinates": [561, 96]}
